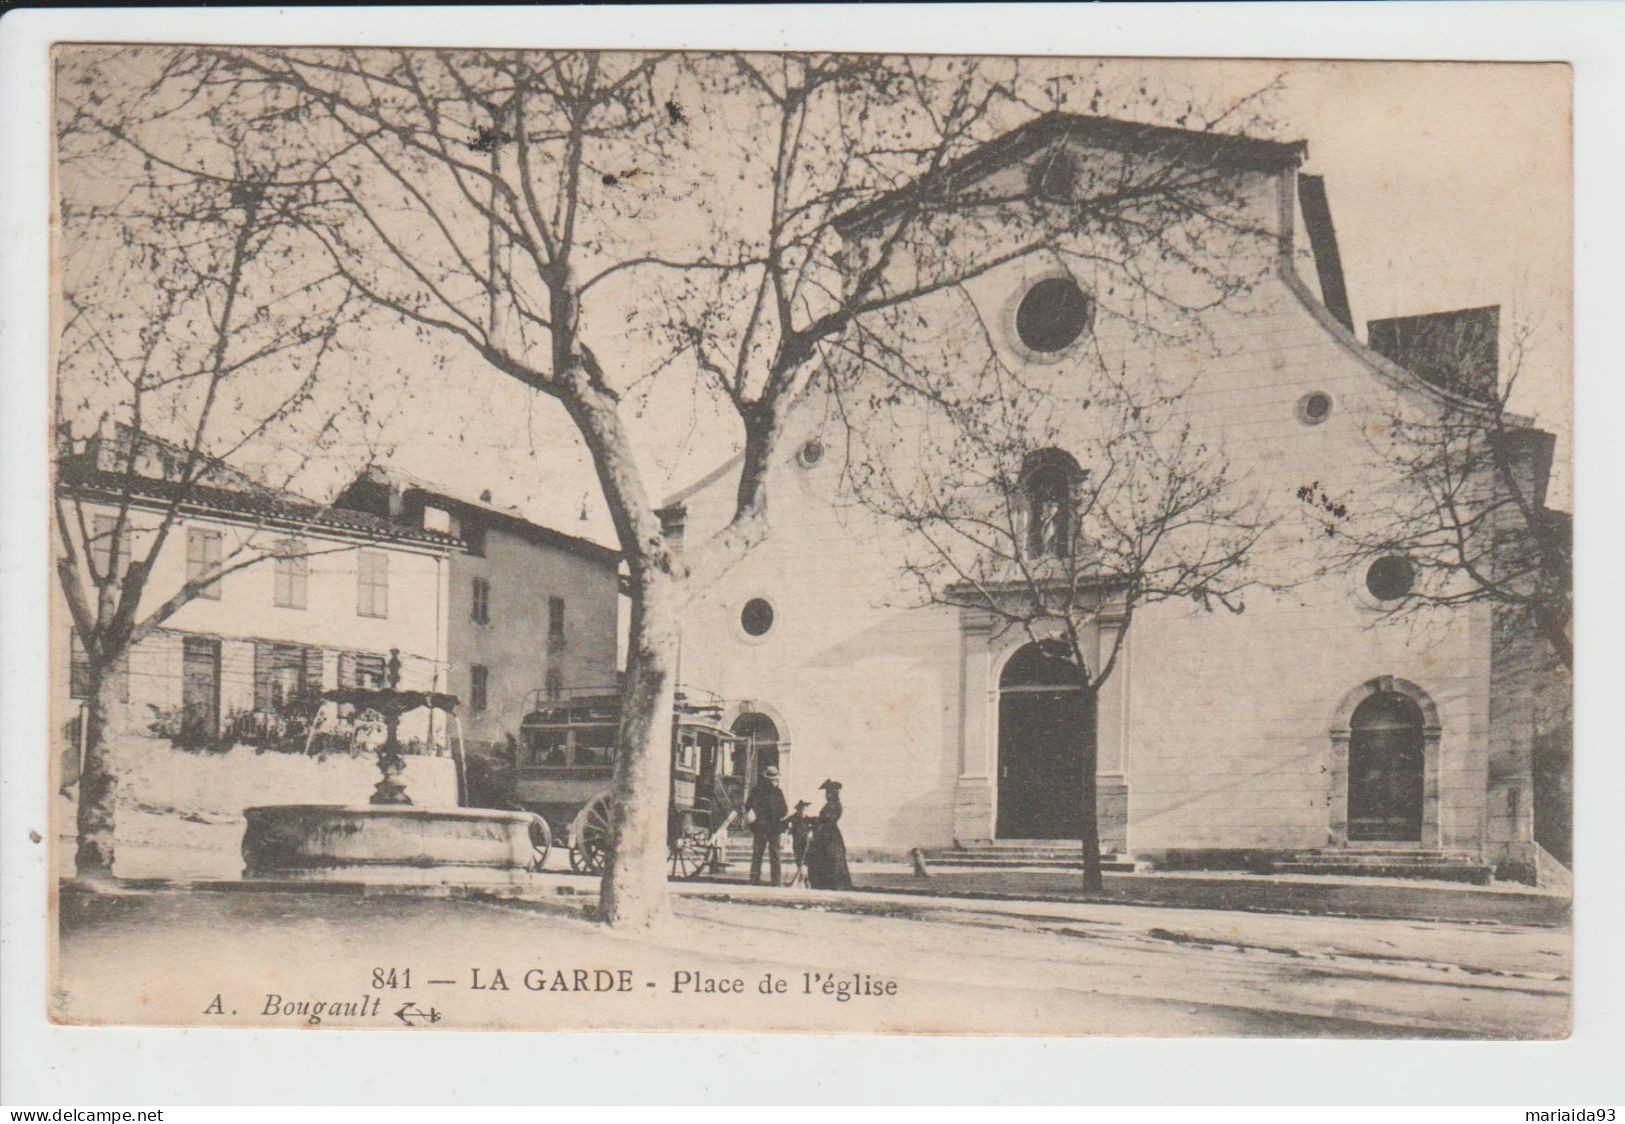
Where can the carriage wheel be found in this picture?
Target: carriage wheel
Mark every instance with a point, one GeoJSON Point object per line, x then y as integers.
{"type": "Point", "coordinates": [541, 842]}
{"type": "Point", "coordinates": [592, 837]}
{"type": "Point", "coordinates": [691, 854]}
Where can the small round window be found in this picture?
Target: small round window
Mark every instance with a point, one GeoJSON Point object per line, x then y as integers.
{"type": "Point", "coordinates": [1314, 408]}
{"type": "Point", "coordinates": [1390, 578]}
{"type": "Point", "coordinates": [1052, 315]}
{"type": "Point", "coordinates": [756, 617]}
{"type": "Point", "coordinates": [810, 453]}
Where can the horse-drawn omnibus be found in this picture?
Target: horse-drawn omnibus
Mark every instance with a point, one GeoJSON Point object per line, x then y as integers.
{"type": "Point", "coordinates": [565, 762]}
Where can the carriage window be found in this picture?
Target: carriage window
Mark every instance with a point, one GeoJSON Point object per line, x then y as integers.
{"type": "Point", "coordinates": [595, 748]}
{"type": "Point", "coordinates": [688, 755]}
{"type": "Point", "coordinates": [548, 747]}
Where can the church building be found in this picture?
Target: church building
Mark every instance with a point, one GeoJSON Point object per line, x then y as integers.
{"type": "Point", "coordinates": [1316, 725]}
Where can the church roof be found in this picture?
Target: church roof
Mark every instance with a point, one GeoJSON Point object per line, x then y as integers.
{"type": "Point", "coordinates": [1224, 150]}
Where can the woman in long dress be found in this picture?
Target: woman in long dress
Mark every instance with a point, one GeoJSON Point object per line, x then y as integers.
{"type": "Point", "coordinates": [826, 855]}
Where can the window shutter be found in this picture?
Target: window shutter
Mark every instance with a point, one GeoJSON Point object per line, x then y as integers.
{"type": "Point", "coordinates": [347, 661]}
{"type": "Point", "coordinates": [263, 662]}
{"type": "Point", "coordinates": [313, 671]}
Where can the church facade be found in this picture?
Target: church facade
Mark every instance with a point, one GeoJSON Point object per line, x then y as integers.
{"type": "Point", "coordinates": [1317, 720]}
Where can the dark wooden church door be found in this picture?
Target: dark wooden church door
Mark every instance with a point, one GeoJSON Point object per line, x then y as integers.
{"type": "Point", "coordinates": [1046, 721]}
{"type": "Point", "coordinates": [1385, 770]}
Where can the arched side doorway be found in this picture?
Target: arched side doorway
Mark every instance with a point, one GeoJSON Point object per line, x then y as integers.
{"type": "Point", "coordinates": [761, 736]}
{"type": "Point", "coordinates": [1385, 744]}
{"type": "Point", "coordinates": [1046, 723]}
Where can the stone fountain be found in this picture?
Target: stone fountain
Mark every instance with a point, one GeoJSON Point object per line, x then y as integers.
{"type": "Point", "coordinates": [389, 839]}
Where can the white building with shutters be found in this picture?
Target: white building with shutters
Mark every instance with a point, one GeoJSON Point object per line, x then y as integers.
{"type": "Point", "coordinates": [334, 594]}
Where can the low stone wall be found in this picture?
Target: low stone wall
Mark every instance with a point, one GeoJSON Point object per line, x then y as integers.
{"type": "Point", "coordinates": [157, 775]}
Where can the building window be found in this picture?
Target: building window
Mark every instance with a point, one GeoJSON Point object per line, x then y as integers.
{"type": "Point", "coordinates": [291, 579]}
{"type": "Point", "coordinates": [200, 688]}
{"type": "Point", "coordinates": [1052, 315]}
{"type": "Point", "coordinates": [286, 675]}
{"type": "Point", "coordinates": [437, 519]}
{"type": "Point", "coordinates": [1315, 407]}
{"type": "Point", "coordinates": [361, 669]}
{"type": "Point", "coordinates": [479, 678]}
{"type": "Point", "coordinates": [203, 559]}
{"type": "Point", "coordinates": [555, 618]}
{"type": "Point", "coordinates": [372, 591]}
{"type": "Point", "coordinates": [1047, 487]}
{"type": "Point", "coordinates": [756, 618]}
{"type": "Point", "coordinates": [481, 612]}
{"type": "Point", "coordinates": [102, 529]}
{"type": "Point", "coordinates": [473, 534]}
{"type": "Point", "coordinates": [1390, 578]}
{"type": "Point", "coordinates": [555, 683]}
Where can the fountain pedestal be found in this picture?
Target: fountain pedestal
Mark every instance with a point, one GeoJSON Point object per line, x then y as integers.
{"type": "Point", "coordinates": [396, 844]}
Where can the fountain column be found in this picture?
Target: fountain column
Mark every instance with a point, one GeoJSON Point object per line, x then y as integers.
{"type": "Point", "coordinates": [391, 789]}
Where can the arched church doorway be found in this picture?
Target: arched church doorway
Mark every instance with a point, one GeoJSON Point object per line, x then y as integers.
{"type": "Point", "coordinates": [1046, 722]}
{"type": "Point", "coordinates": [1385, 770]}
{"type": "Point", "coordinates": [761, 741]}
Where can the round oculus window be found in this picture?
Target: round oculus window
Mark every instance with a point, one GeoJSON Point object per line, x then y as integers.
{"type": "Point", "coordinates": [1391, 577]}
{"type": "Point", "coordinates": [1052, 315]}
{"type": "Point", "coordinates": [756, 617]}
{"type": "Point", "coordinates": [1315, 407]}
{"type": "Point", "coordinates": [810, 453]}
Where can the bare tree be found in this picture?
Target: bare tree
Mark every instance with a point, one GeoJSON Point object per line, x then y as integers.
{"type": "Point", "coordinates": [1061, 518]}
{"type": "Point", "coordinates": [625, 231]}
{"type": "Point", "coordinates": [187, 343]}
{"type": "Point", "coordinates": [1464, 520]}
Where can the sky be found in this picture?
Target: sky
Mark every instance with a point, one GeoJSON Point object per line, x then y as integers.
{"type": "Point", "coordinates": [1450, 187]}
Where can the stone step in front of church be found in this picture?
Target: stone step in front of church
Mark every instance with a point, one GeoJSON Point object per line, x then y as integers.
{"type": "Point", "coordinates": [1381, 862]}
{"type": "Point", "coordinates": [1012, 854]}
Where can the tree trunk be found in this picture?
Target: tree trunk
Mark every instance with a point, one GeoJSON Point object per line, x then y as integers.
{"type": "Point", "coordinates": [1089, 820]}
{"type": "Point", "coordinates": [1089, 825]}
{"type": "Point", "coordinates": [98, 782]}
{"type": "Point", "coordinates": [633, 891]}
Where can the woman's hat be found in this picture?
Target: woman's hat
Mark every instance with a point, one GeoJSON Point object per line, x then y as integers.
{"type": "Point", "coordinates": [770, 771]}
{"type": "Point", "coordinates": [831, 786]}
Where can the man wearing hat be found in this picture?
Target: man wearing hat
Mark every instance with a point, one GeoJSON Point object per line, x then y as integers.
{"type": "Point", "coordinates": [765, 812]}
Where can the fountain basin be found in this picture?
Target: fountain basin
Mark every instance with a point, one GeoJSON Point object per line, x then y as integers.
{"type": "Point", "coordinates": [395, 844]}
